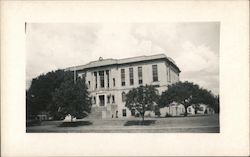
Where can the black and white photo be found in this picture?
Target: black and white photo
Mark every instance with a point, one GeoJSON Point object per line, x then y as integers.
{"type": "Point", "coordinates": [124, 77]}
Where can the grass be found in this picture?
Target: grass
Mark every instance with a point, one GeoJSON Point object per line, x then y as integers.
{"type": "Point", "coordinates": [198, 124]}
{"type": "Point", "coordinates": [33, 123]}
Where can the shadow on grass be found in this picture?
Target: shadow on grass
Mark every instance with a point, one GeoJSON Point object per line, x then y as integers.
{"type": "Point", "coordinates": [182, 116]}
{"type": "Point", "coordinates": [139, 122]}
{"type": "Point", "coordinates": [75, 124]}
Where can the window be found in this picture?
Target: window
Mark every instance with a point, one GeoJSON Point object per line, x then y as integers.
{"type": "Point", "coordinates": [140, 75]}
{"type": "Point", "coordinates": [114, 82]}
{"type": "Point", "coordinates": [123, 77]}
{"type": "Point", "coordinates": [131, 76]}
{"type": "Point", "coordinates": [113, 99]}
{"type": "Point", "coordinates": [133, 112]}
{"type": "Point", "coordinates": [155, 73]}
{"type": "Point", "coordinates": [89, 83]}
{"type": "Point", "coordinates": [101, 74]}
{"type": "Point", "coordinates": [123, 96]}
{"type": "Point", "coordinates": [95, 74]}
{"type": "Point", "coordinates": [124, 113]}
{"type": "Point", "coordinates": [108, 99]}
{"type": "Point", "coordinates": [107, 73]}
{"type": "Point", "coordinates": [101, 100]}
{"type": "Point", "coordinates": [116, 114]}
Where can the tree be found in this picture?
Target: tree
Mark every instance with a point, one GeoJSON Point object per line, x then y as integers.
{"type": "Point", "coordinates": [217, 104]}
{"type": "Point", "coordinates": [141, 99]}
{"type": "Point", "coordinates": [186, 93]}
{"type": "Point", "coordinates": [72, 98]}
{"type": "Point", "coordinates": [39, 95]}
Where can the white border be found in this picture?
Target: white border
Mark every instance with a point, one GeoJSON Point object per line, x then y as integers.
{"type": "Point", "coordinates": [234, 78]}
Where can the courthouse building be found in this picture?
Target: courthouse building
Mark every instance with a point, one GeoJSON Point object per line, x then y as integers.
{"type": "Point", "coordinates": [109, 80]}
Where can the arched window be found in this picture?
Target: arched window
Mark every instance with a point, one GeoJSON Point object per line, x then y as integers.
{"type": "Point", "coordinates": [123, 96]}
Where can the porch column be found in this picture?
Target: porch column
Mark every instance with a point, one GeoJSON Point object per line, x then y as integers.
{"type": "Point", "coordinates": [98, 80]}
{"type": "Point", "coordinates": [97, 100]}
{"type": "Point", "coordinates": [105, 79]}
{"type": "Point", "coordinates": [105, 99]}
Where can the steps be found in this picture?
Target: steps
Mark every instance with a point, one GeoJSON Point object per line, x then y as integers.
{"type": "Point", "coordinates": [103, 112]}
{"type": "Point", "coordinates": [96, 112]}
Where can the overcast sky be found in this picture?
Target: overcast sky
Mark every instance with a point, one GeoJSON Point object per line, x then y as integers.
{"type": "Point", "coordinates": [193, 46]}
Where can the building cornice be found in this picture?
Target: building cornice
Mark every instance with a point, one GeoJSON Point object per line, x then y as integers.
{"type": "Point", "coordinates": [125, 61]}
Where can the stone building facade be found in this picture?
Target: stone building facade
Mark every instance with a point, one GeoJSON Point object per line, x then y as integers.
{"type": "Point", "coordinates": [109, 80]}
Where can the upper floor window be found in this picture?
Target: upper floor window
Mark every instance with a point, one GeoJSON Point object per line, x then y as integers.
{"type": "Point", "coordinates": [101, 74]}
{"type": "Point", "coordinates": [123, 77]}
{"type": "Point", "coordinates": [95, 74]}
{"type": "Point", "coordinates": [140, 75]}
{"type": "Point", "coordinates": [114, 82]}
{"type": "Point", "coordinates": [131, 76]}
{"type": "Point", "coordinates": [107, 74]}
{"type": "Point", "coordinates": [155, 73]}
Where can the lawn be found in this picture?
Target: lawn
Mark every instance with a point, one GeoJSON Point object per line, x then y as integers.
{"type": "Point", "coordinates": [197, 124]}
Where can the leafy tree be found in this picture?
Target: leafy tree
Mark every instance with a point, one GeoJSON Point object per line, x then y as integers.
{"type": "Point", "coordinates": [142, 99]}
{"type": "Point", "coordinates": [72, 98]}
{"type": "Point", "coordinates": [39, 95]}
{"type": "Point", "coordinates": [217, 104]}
{"type": "Point", "coordinates": [186, 93]}
{"type": "Point", "coordinates": [164, 99]}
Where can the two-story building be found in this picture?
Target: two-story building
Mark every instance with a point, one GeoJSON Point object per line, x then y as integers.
{"type": "Point", "coordinates": [109, 80]}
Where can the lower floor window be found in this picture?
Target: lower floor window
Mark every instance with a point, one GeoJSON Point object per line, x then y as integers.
{"type": "Point", "coordinates": [133, 112]}
{"type": "Point", "coordinates": [108, 97]}
{"type": "Point", "coordinates": [124, 113]}
{"type": "Point", "coordinates": [113, 99]}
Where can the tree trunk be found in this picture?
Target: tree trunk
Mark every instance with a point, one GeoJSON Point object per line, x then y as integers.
{"type": "Point", "coordinates": [143, 112]}
{"type": "Point", "coordinates": [142, 119]}
{"type": "Point", "coordinates": [185, 114]}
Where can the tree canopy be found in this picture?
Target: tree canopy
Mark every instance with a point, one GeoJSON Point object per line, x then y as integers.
{"type": "Point", "coordinates": [186, 93]}
{"type": "Point", "coordinates": [72, 98]}
{"type": "Point", "coordinates": [141, 99]}
{"type": "Point", "coordinates": [39, 95]}
{"type": "Point", "coordinates": [56, 93]}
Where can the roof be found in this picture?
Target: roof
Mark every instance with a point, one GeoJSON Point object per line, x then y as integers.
{"type": "Point", "coordinates": [106, 62]}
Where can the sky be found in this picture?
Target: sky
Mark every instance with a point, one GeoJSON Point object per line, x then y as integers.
{"type": "Point", "coordinates": [193, 46]}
